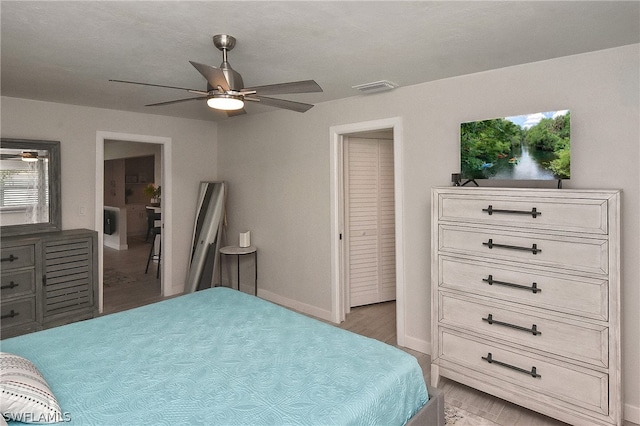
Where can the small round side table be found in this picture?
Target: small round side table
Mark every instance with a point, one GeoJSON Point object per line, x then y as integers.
{"type": "Point", "coordinates": [241, 251]}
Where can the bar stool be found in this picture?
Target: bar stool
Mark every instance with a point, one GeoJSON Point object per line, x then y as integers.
{"type": "Point", "coordinates": [155, 231]}
{"type": "Point", "coordinates": [152, 216]}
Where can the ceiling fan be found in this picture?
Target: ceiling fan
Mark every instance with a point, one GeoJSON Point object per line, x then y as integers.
{"type": "Point", "coordinates": [226, 91]}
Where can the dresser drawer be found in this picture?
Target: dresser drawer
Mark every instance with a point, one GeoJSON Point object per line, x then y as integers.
{"type": "Point", "coordinates": [562, 214]}
{"type": "Point", "coordinates": [577, 386]}
{"type": "Point", "coordinates": [586, 297]}
{"type": "Point", "coordinates": [16, 283]}
{"type": "Point", "coordinates": [18, 312]}
{"type": "Point", "coordinates": [571, 339]}
{"type": "Point", "coordinates": [17, 257]}
{"type": "Point", "coordinates": [579, 254]}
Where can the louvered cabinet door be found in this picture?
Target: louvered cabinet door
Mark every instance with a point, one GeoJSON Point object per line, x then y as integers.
{"type": "Point", "coordinates": [70, 278]}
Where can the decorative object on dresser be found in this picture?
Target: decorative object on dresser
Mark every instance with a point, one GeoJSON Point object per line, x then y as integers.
{"type": "Point", "coordinates": [48, 279]}
{"type": "Point", "coordinates": [525, 297]}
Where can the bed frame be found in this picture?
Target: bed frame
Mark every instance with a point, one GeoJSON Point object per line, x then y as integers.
{"type": "Point", "coordinates": [432, 414]}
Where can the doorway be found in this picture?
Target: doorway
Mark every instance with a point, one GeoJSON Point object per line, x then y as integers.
{"type": "Point", "coordinates": [164, 143]}
{"type": "Point", "coordinates": [338, 287]}
{"type": "Point", "coordinates": [131, 261]}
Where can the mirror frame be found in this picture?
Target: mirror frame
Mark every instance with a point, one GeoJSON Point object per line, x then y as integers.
{"type": "Point", "coordinates": [55, 195]}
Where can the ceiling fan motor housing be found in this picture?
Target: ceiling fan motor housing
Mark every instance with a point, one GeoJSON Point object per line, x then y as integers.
{"type": "Point", "coordinates": [233, 78]}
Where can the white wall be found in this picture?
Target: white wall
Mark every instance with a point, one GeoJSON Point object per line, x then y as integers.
{"type": "Point", "coordinates": [194, 159]}
{"type": "Point", "coordinates": [277, 168]}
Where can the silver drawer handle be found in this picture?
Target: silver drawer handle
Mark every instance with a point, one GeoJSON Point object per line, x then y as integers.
{"type": "Point", "coordinates": [532, 372]}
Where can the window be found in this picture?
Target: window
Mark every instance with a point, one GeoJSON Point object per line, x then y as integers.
{"type": "Point", "coordinates": [24, 184]}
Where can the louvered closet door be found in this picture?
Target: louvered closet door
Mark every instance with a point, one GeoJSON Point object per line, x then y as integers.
{"type": "Point", "coordinates": [369, 221]}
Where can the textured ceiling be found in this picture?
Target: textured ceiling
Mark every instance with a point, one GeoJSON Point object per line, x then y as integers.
{"type": "Point", "coordinates": [67, 51]}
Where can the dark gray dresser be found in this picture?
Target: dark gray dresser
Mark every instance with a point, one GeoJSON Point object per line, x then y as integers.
{"type": "Point", "coordinates": [47, 280]}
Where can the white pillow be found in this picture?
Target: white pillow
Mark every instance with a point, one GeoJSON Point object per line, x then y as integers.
{"type": "Point", "coordinates": [24, 394]}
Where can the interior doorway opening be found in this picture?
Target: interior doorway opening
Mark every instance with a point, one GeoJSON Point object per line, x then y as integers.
{"type": "Point", "coordinates": [163, 179]}
{"type": "Point", "coordinates": [133, 224]}
{"type": "Point", "coordinates": [338, 288]}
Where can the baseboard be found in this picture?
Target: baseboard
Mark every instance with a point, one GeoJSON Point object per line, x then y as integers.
{"type": "Point", "coordinates": [632, 413]}
{"type": "Point", "coordinates": [417, 345]}
{"type": "Point", "coordinates": [295, 305]}
{"type": "Point", "coordinates": [115, 245]}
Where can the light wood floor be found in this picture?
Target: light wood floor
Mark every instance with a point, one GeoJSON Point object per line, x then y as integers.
{"type": "Point", "coordinates": [126, 285]}
{"type": "Point", "coordinates": [129, 287]}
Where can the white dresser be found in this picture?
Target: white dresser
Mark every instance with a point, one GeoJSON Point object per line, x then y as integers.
{"type": "Point", "coordinates": [525, 298]}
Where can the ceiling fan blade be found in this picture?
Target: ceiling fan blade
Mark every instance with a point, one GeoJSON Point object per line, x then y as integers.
{"type": "Point", "coordinates": [214, 76]}
{"type": "Point", "coordinates": [159, 85]}
{"type": "Point", "coordinates": [178, 101]}
{"type": "Point", "coordinates": [281, 103]}
{"type": "Point", "coordinates": [236, 112]}
{"type": "Point", "coordinates": [305, 86]}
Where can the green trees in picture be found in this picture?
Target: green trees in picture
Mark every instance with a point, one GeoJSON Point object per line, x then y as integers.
{"type": "Point", "coordinates": [552, 135]}
{"type": "Point", "coordinates": [483, 142]}
{"type": "Point", "coordinates": [534, 146]}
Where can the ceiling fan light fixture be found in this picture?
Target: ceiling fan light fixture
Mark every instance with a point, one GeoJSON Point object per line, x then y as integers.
{"type": "Point", "coordinates": [225, 102]}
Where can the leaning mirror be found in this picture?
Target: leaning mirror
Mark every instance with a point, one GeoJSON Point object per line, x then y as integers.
{"type": "Point", "coordinates": [207, 234]}
{"type": "Point", "coordinates": [29, 186]}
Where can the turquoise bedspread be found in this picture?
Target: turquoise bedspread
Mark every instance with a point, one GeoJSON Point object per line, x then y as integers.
{"type": "Point", "coordinates": [221, 357]}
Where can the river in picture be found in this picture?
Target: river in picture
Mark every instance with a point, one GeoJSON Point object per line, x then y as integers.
{"type": "Point", "coordinates": [527, 165]}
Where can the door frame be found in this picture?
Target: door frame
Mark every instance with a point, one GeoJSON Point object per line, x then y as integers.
{"type": "Point", "coordinates": [167, 237]}
{"type": "Point", "coordinates": [336, 133]}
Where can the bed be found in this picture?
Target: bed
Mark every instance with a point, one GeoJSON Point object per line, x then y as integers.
{"type": "Point", "coordinates": [219, 356]}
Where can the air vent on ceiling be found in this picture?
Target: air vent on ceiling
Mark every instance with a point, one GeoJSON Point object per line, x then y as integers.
{"type": "Point", "coordinates": [376, 86]}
